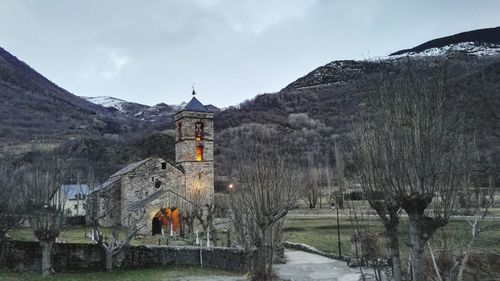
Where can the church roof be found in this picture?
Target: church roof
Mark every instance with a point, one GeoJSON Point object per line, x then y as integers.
{"type": "Point", "coordinates": [130, 167]}
{"type": "Point", "coordinates": [110, 182]}
{"type": "Point", "coordinates": [134, 206]}
{"type": "Point", "coordinates": [195, 105]}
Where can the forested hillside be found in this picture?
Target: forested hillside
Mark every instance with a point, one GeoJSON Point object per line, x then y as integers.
{"type": "Point", "coordinates": [310, 114]}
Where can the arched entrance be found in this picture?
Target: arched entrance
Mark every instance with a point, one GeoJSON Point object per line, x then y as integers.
{"type": "Point", "coordinates": [167, 222]}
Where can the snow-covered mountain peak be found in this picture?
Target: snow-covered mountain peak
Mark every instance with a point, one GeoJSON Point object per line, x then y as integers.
{"type": "Point", "coordinates": [469, 48]}
{"type": "Point", "coordinates": [107, 101]}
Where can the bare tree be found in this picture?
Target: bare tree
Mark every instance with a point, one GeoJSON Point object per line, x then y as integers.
{"type": "Point", "coordinates": [340, 176]}
{"type": "Point", "coordinates": [41, 184]}
{"type": "Point", "coordinates": [414, 150]}
{"type": "Point", "coordinates": [111, 246]}
{"type": "Point", "coordinates": [10, 201]}
{"type": "Point", "coordinates": [267, 187]}
{"type": "Point", "coordinates": [205, 216]}
{"type": "Point", "coordinates": [311, 176]}
{"type": "Point", "coordinates": [387, 208]}
{"type": "Point", "coordinates": [479, 201]}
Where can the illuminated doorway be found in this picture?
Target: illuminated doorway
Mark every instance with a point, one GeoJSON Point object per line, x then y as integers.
{"type": "Point", "coordinates": [166, 222]}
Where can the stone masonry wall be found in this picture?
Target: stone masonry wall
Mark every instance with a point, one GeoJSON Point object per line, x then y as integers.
{"type": "Point", "coordinates": [144, 182]}
{"type": "Point", "coordinates": [68, 257]}
{"type": "Point", "coordinates": [199, 174]}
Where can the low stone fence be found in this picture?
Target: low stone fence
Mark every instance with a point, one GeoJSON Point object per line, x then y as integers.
{"type": "Point", "coordinates": [312, 250]}
{"type": "Point", "coordinates": [26, 256]}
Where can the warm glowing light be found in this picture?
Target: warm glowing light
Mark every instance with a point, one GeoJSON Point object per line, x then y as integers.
{"type": "Point", "coordinates": [199, 153]}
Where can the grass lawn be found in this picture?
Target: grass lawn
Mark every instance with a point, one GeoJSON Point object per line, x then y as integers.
{"type": "Point", "coordinates": [144, 274]}
{"type": "Point", "coordinates": [77, 235]}
{"type": "Point", "coordinates": [321, 233]}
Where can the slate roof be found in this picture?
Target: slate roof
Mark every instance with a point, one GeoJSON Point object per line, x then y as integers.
{"type": "Point", "coordinates": [195, 105]}
{"type": "Point", "coordinates": [110, 182]}
{"type": "Point", "coordinates": [71, 190]}
{"type": "Point", "coordinates": [134, 206]}
{"type": "Point", "coordinates": [130, 167]}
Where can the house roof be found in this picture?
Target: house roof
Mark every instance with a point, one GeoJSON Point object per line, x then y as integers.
{"type": "Point", "coordinates": [195, 105]}
{"type": "Point", "coordinates": [72, 190]}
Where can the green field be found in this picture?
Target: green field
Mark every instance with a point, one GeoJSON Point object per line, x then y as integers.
{"type": "Point", "coordinates": [321, 233]}
{"type": "Point", "coordinates": [176, 273]}
{"type": "Point", "coordinates": [77, 235]}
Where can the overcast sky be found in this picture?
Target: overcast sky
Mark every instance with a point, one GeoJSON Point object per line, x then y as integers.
{"type": "Point", "coordinates": [152, 51]}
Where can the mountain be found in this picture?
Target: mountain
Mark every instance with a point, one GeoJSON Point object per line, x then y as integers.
{"type": "Point", "coordinates": [319, 108]}
{"type": "Point", "coordinates": [156, 113]}
{"type": "Point", "coordinates": [310, 113]}
{"type": "Point", "coordinates": [33, 107]}
{"type": "Point", "coordinates": [476, 42]}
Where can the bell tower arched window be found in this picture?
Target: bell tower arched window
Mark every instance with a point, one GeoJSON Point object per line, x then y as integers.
{"type": "Point", "coordinates": [198, 131]}
{"type": "Point", "coordinates": [179, 131]}
{"type": "Point", "coordinates": [199, 152]}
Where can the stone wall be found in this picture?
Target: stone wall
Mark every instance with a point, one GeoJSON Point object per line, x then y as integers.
{"type": "Point", "coordinates": [199, 175]}
{"type": "Point", "coordinates": [26, 256]}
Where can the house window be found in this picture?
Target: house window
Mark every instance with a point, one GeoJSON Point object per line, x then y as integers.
{"type": "Point", "coordinates": [199, 153]}
{"type": "Point", "coordinates": [164, 166]}
{"type": "Point", "coordinates": [198, 131]}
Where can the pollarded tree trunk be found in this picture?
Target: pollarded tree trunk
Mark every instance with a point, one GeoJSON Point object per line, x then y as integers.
{"type": "Point", "coordinates": [46, 262]}
{"type": "Point", "coordinates": [108, 260]}
{"type": "Point", "coordinates": [417, 243]}
{"type": "Point", "coordinates": [392, 234]}
{"type": "Point", "coordinates": [3, 238]}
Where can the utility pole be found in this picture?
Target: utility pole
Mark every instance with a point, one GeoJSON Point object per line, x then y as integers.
{"type": "Point", "coordinates": [79, 191]}
{"type": "Point", "coordinates": [338, 231]}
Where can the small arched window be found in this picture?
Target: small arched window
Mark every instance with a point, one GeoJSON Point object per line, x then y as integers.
{"type": "Point", "coordinates": [198, 131]}
{"type": "Point", "coordinates": [199, 153]}
{"type": "Point", "coordinates": [179, 131]}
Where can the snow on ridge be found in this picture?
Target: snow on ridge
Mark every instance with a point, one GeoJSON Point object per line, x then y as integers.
{"type": "Point", "coordinates": [120, 105]}
{"type": "Point", "coordinates": [471, 48]}
{"type": "Point", "coordinates": [107, 101]}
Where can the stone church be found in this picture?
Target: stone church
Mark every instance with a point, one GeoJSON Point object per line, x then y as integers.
{"type": "Point", "coordinates": [166, 191]}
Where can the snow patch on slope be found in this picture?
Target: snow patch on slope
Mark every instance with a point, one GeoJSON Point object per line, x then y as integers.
{"type": "Point", "coordinates": [470, 48]}
{"type": "Point", "coordinates": [107, 101]}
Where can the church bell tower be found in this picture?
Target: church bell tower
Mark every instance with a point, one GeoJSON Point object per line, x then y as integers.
{"type": "Point", "coordinates": [194, 150]}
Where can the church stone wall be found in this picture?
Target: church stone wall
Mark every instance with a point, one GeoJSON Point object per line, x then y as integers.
{"type": "Point", "coordinates": [199, 175]}
{"type": "Point", "coordinates": [185, 147]}
{"type": "Point", "coordinates": [199, 181]}
{"type": "Point", "coordinates": [147, 179]}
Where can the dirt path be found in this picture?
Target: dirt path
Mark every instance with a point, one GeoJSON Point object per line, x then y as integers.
{"type": "Point", "coordinates": [302, 266]}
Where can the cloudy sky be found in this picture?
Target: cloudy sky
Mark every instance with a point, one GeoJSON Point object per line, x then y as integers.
{"type": "Point", "coordinates": [152, 51]}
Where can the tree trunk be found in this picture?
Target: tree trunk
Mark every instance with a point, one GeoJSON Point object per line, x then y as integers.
{"type": "Point", "coordinates": [417, 243]}
{"type": "Point", "coordinates": [270, 251]}
{"type": "Point", "coordinates": [46, 249]}
{"type": "Point", "coordinates": [109, 261]}
{"type": "Point", "coordinates": [392, 234]}
{"type": "Point", "coordinates": [2, 246]}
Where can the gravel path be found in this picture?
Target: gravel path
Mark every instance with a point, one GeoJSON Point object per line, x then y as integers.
{"type": "Point", "coordinates": [211, 278]}
{"type": "Point", "coordinates": [302, 266]}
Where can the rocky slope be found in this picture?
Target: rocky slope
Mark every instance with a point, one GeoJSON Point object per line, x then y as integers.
{"type": "Point", "coordinates": [476, 42]}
